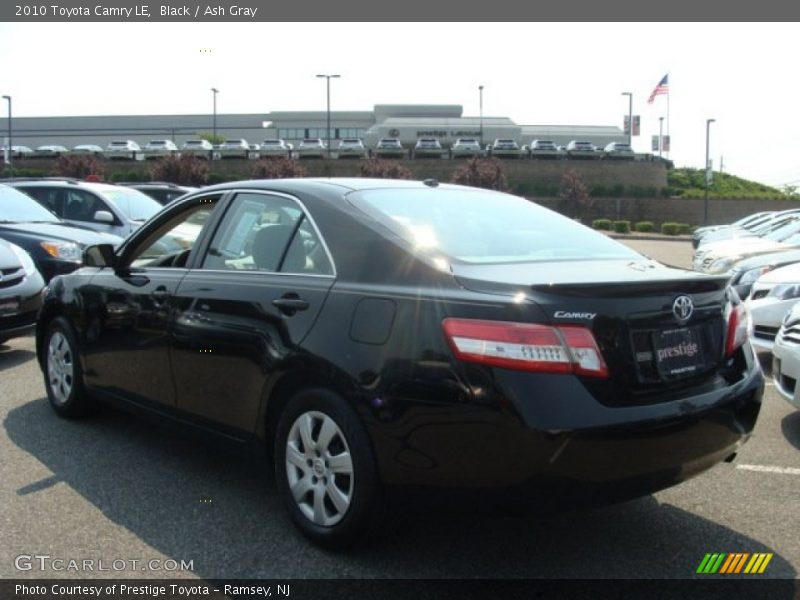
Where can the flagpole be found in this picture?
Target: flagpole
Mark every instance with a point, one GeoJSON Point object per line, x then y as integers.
{"type": "Point", "coordinates": [670, 139]}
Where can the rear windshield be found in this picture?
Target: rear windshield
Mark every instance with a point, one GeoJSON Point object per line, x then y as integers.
{"type": "Point", "coordinates": [485, 227]}
{"type": "Point", "coordinates": [136, 205]}
{"type": "Point", "coordinates": [234, 142]}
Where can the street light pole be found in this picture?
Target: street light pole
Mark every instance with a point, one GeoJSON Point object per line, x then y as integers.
{"type": "Point", "coordinates": [480, 94]}
{"type": "Point", "coordinates": [705, 196]}
{"type": "Point", "coordinates": [660, 135]}
{"type": "Point", "coordinates": [630, 117]}
{"type": "Point", "coordinates": [215, 91]}
{"type": "Point", "coordinates": [328, 112]}
{"type": "Point", "coordinates": [10, 145]}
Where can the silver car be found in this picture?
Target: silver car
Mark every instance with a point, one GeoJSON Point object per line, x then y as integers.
{"type": "Point", "coordinates": [234, 149]}
{"type": "Point", "coordinates": [466, 148]}
{"type": "Point", "coordinates": [119, 149]}
{"type": "Point", "coordinates": [92, 149]}
{"type": "Point", "coordinates": [273, 148]}
{"type": "Point", "coordinates": [786, 357]}
{"type": "Point", "coordinates": [389, 148]}
{"type": "Point", "coordinates": [428, 148]}
{"type": "Point", "coordinates": [311, 148]}
{"type": "Point", "coordinates": [159, 148]}
{"type": "Point", "coordinates": [578, 149]}
{"type": "Point", "coordinates": [505, 149]}
{"type": "Point", "coordinates": [199, 148]}
{"type": "Point", "coordinates": [618, 151]}
{"type": "Point", "coordinates": [351, 148]}
{"type": "Point", "coordinates": [50, 151]}
{"type": "Point", "coordinates": [544, 149]}
{"type": "Point", "coordinates": [107, 208]}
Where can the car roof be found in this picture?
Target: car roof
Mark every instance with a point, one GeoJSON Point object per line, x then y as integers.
{"type": "Point", "coordinates": [342, 184]}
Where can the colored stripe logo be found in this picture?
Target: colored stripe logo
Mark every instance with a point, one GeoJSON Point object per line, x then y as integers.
{"type": "Point", "coordinates": [734, 563]}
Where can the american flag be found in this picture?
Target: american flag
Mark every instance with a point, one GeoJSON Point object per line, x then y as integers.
{"type": "Point", "coordinates": [661, 88]}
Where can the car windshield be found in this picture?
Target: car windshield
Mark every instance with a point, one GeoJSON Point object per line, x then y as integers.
{"type": "Point", "coordinates": [16, 207]}
{"type": "Point", "coordinates": [781, 233]}
{"type": "Point", "coordinates": [136, 205]}
{"type": "Point", "coordinates": [485, 227]}
{"type": "Point", "coordinates": [194, 143]}
{"type": "Point", "coordinates": [234, 142]}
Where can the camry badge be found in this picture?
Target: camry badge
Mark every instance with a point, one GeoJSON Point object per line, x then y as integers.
{"type": "Point", "coordinates": [682, 308]}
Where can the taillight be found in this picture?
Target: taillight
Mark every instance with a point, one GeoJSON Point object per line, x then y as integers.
{"type": "Point", "coordinates": [526, 347]}
{"type": "Point", "coordinates": [737, 330]}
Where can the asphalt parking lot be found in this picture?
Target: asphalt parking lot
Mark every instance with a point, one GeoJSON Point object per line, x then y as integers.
{"type": "Point", "coordinates": [115, 487]}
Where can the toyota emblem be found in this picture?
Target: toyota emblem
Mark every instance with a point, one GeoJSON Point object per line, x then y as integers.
{"type": "Point", "coordinates": [682, 308]}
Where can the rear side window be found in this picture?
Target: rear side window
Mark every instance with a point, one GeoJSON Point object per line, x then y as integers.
{"type": "Point", "coordinates": [267, 233]}
{"type": "Point", "coordinates": [484, 227]}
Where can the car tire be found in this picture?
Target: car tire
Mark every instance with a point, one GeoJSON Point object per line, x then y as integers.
{"type": "Point", "coordinates": [329, 483]}
{"type": "Point", "coordinates": [63, 377]}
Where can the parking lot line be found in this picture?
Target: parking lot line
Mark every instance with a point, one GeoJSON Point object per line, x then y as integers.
{"type": "Point", "coordinates": [770, 469]}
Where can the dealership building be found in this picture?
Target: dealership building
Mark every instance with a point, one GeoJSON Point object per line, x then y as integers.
{"type": "Point", "coordinates": [408, 122]}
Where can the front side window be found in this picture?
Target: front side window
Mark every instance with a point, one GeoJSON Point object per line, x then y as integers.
{"type": "Point", "coordinates": [267, 233]}
{"type": "Point", "coordinates": [81, 206]}
{"type": "Point", "coordinates": [133, 203]}
{"type": "Point", "coordinates": [171, 244]}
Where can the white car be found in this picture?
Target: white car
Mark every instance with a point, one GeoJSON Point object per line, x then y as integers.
{"type": "Point", "coordinates": [466, 148]}
{"type": "Point", "coordinates": [505, 149]}
{"type": "Point", "coordinates": [92, 149]}
{"type": "Point", "coordinates": [311, 148]}
{"type": "Point", "coordinates": [389, 148]}
{"type": "Point", "coordinates": [544, 149]}
{"type": "Point", "coordinates": [50, 151]}
{"type": "Point", "coordinates": [17, 151]}
{"type": "Point", "coordinates": [772, 296]}
{"type": "Point", "coordinates": [199, 148]}
{"type": "Point", "coordinates": [578, 149]}
{"type": "Point", "coordinates": [123, 149]}
{"type": "Point", "coordinates": [351, 148]}
{"type": "Point", "coordinates": [234, 149]}
{"type": "Point", "coordinates": [720, 257]}
{"type": "Point", "coordinates": [159, 148]}
{"type": "Point", "coordinates": [619, 151]}
{"type": "Point", "coordinates": [786, 357]}
{"type": "Point", "coordinates": [273, 148]}
{"type": "Point", "coordinates": [428, 148]}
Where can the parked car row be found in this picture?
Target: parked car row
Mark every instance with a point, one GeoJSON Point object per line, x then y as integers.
{"type": "Point", "coordinates": [345, 148]}
{"type": "Point", "coordinates": [760, 254]}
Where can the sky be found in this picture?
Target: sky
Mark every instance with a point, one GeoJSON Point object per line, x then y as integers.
{"type": "Point", "coordinates": [535, 73]}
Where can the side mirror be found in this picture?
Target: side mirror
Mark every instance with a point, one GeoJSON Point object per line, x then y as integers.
{"type": "Point", "coordinates": [100, 255]}
{"type": "Point", "coordinates": [103, 216]}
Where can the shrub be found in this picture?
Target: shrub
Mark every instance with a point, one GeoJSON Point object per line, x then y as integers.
{"type": "Point", "coordinates": [79, 166]}
{"type": "Point", "coordinates": [670, 228]}
{"type": "Point", "coordinates": [644, 226]}
{"type": "Point", "coordinates": [684, 229]}
{"type": "Point", "coordinates": [622, 226]}
{"type": "Point", "coordinates": [184, 170]}
{"type": "Point", "coordinates": [277, 168]}
{"type": "Point", "coordinates": [573, 194]}
{"type": "Point", "coordinates": [487, 173]}
{"type": "Point", "coordinates": [599, 191]}
{"type": "Point", "coordinates": [602, 224]}
{"type": "Point", "coordinates": [384, 169]}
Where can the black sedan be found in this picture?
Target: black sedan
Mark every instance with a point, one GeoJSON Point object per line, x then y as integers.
{"type": "Point", "coordinates": [376, 335]}
{"type": "Point", "coordinates": [55, 246]}
{"type": "Point", "coordinates": [20, 292]}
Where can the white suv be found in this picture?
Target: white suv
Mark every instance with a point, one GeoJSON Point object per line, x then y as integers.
{"type": "Point", "coordinates": [159, 148]}
{"type": "Point", "coordinates": [272, 148]}
{"type": "Point", "coordinates": [466, 147]}
{"type": "Point", "coordinates": [311, 148]}
{"type": "Point", "coordinates": [351, 148]}
{"type": "Point", "coordinates": [123, 149]}
{"type": "Point", "coordinates": [234, 149]}
{"type": "Point", "coordinates": [199, 148]}
{"type": "Point", "coordinates": [389, 148]}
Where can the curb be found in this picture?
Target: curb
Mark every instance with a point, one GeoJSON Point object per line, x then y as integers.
{"type": "Point", "coordinates": [650, 238]}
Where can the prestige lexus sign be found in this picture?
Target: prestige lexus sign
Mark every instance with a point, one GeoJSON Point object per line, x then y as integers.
{"type": "Point", "coordinates": [442, 133]}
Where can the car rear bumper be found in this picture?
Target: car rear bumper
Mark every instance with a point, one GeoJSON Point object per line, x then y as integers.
{"type": "Point", "coordinates": [524, 445]}
{"type": "Point", "coordinates": [28, 295]}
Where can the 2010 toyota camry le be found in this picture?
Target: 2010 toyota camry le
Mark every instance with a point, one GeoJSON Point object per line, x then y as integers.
{"type": "Point", "coordinates": [376, 335]}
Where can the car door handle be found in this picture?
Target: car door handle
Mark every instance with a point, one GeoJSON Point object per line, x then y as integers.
{"type": "Point", "coordinates": [160, 293]}
{"type": "Point", "coordinates": [290, 304]}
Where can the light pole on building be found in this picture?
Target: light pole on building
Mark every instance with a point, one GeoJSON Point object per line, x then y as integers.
{"type": "Point", "coordinates": [705, 195]}
{"type": "Point", "coordinates": [630, 117]}
{"type": "Point", "coordinates": [328, 111]}
{"type": "Point", "coordinates": [10, 145]}
{"type": "Point", "coordinates": [215, 91]}
{"type": "Point", "coordinates": [480, 102]}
